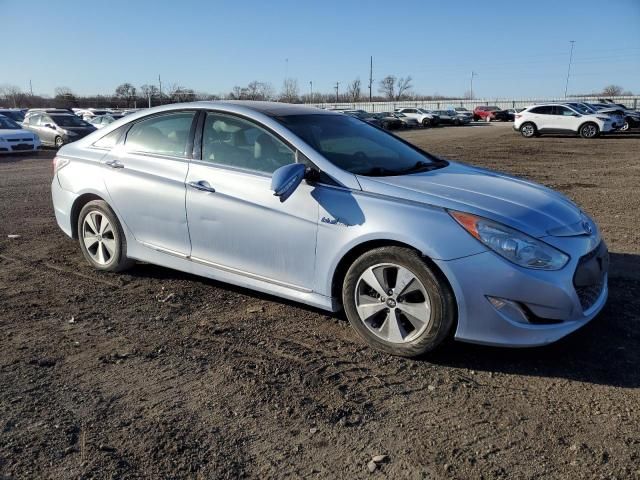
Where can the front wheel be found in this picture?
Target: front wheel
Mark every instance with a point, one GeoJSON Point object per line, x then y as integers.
{"type": "Point", "coordinates": [396, 303]}
{"type": "Point", "coordinates": [625, 126]}
{"type": "Point", "coordinates": [58, 142]}
{"type": "Point", "coordinates": [426, 122]}
{"type": "Point", "coordinates": [589, 130]}
{"type": "Point", "coordinates": [101, 238]}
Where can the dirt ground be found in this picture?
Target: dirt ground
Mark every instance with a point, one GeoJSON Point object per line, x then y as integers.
{"type": "Point", "coordinates": [158, 374]}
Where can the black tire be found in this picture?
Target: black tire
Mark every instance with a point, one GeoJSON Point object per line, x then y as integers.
{"type": "Point", "coordinates": [118, 260]}
{"type": "Point", "coordinates": [442, 302]}
{"type": "Point", "coordinates": [589, 130]}
{"type": "Point", "coordinates": [426, 122]}
{"type": "Point", "coordinates": [528, 130]}
{"type": "Point", "coordinates": [58, 142]}
{"type": "Point", "coordinates": [625, 126]}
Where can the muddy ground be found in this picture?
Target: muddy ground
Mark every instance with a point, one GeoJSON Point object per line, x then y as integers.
{"type": "Point", "coordinates": [158, 374]}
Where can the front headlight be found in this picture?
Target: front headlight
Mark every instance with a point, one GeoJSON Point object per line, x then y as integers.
{"type": "Point", "coordinates": [515, 246]}
{"type": "Point", "coordinates": [604, 119]}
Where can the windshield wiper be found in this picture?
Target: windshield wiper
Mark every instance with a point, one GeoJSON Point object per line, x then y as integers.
{"type": "Point", "coordinates": [380, 172]}
{"type": "Point", "coordinates": [420, 166]}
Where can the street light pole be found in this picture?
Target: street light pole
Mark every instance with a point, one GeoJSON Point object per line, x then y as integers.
{"type": "Point", "coordinates": [337, 87]}
{"type": "Point", "coordinates": [473, 74]}
{"type": "Point", "coordinates": [311, 90]}
{"type": "Point", "coordinates": [566, 85]}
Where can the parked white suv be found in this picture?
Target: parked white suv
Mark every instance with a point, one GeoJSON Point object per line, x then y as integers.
{"type": "Point", "coordinates": [553, 118]}
{"type": "Point", "coordinates": [424, 117]}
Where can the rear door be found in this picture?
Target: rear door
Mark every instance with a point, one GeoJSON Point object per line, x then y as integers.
{"type": "Point", "coordinates": [145, 179]}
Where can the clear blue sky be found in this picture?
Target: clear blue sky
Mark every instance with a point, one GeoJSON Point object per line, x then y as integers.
{"type": "Point", "coordinates": [517, 48]}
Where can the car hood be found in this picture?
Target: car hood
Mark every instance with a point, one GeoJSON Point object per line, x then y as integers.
{"type": "Point", "coordinates": [526, 206]}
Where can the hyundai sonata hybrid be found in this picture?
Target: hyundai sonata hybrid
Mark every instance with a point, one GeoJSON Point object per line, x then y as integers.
{"type": "Point", "coordinates": [328, 210]}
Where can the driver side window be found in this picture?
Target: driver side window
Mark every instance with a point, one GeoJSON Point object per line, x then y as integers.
{"type": "Point", "coordinates": [232, 141]}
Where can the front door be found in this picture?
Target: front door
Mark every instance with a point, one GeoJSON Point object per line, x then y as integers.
{"type": "Point", "coordinates": [145, 179]}
{"type": "Point", "coordinates": [235, 221]}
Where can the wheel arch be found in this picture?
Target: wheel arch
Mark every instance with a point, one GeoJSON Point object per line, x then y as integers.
{"type": "Point", "coordinates": [77, 206]}
{"type": "Point", "coordinates": [356, 251]}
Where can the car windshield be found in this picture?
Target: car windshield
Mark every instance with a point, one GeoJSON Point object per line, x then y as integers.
{"type": "Point", "coordinates": [8, 124]}
{"type": "Point", "coordinates": [68, 121]}
{"type": "Point", "coordinates": [580, 108]}
{"type": "Point", "coordinates": [358, 147]}
{"type": "Point", "coordinates": [14, 115]}
{"type": "Point", "coordinates": [399, 114]}
{"type": "Point", "coordinates": [492, 109]}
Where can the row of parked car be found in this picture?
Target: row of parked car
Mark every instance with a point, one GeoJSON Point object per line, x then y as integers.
{"type": "Point", "coordinates": [587, 120]}
{"type": "Point", "coordinates": [24, 130]}
{"type": "Point", "coordinates": [412, 117]}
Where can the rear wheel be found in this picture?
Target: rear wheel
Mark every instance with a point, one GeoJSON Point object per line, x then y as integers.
{"type": "Point", "coordinates": [396, 303]}
{"type": "Point", "coordinates": [426, 122]}
{"type": "Point", "coordinates": [625, 126]}
{"type": "Point", "coordinates": [589, 130]}
{"type": "Point", "coordinates": [101, 238]}
{"type": "Point", "coordinates": [58, 142]}
{"type": "Point", "coordinates": [528, 130]}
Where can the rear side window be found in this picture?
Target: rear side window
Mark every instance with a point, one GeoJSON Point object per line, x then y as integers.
{"type": "Point", "coordinates": [542, 110]}
{"type": "Point", "coordinates": [166, 134]}
{"type": "Point", "coordinates": [111, 139]}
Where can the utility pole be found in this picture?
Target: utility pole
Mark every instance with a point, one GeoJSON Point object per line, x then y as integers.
{"type": "Point", "coordinates": [337, 87]}
{"type": "Point", "coordinates": [311, 91]}
{"type": "Point", "coordinates": [566, 85]}
{"type": "Point", "coordinates": [473, 74]}
{"type": "Point", "coordinates": [370, 77]}
{"type": "Point", "coordinates": [286, 68]}
{"type": "Point", "coordinates": [30, 88]}
{"type": "Point", "coordinates": [160, 90]}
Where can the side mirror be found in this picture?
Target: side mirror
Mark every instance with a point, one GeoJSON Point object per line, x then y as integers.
{"type": "Point", "coordinates": [286, 179]}
{"type": "Point", "coordinates": [49, 125]}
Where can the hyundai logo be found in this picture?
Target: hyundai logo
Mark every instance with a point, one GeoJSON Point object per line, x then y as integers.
{"type": "Point", "coordinates": [587, 227]}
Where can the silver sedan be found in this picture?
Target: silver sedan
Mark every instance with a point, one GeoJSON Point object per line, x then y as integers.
{"type": "Point", "coordinates": [327, 210]}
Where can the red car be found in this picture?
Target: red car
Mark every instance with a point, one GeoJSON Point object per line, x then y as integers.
{"type": "Point", "coordinates": [490, 113]}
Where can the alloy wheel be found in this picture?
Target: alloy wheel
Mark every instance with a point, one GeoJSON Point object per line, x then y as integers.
{"type": "Point", "coordinates": [528, 130]}
{"type": "Point", "coordinates": [392, 303]}
{"type": "Point", "coordinates": [98, 237]}
{"type": "Point", "coordinates": [589, 131]}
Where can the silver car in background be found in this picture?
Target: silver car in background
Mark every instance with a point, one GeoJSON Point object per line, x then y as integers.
{"type": "Point", "coordinates": [324, 209]}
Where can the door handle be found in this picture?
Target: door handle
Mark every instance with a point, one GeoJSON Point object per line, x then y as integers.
{"type": "Point", "coordinates": [202, 185]}
{"type": "Point", "coordinates": [114, 164]}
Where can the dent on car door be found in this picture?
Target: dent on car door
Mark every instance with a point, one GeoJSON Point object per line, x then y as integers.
{"type": "Point", "coordinates": [145, 178]}
{"type": "Point", "coordinates": [235, 221]}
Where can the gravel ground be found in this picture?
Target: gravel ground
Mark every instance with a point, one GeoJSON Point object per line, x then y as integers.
{"type": "Point", "coordinates": [158, 374]}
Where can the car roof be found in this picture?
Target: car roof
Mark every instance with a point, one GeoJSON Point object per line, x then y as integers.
{"type": "Point", "coordinates": [268, 108]}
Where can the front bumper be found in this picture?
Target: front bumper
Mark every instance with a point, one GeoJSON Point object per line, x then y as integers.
{"type": "Point", "coordinates": [549, 300]}
{"type": "Point", "coordinates": [19, 146]}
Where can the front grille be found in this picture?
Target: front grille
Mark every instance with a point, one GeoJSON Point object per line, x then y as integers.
{"type": "Point", "coordinates": [589, 277]}
{"type": "Point", "coordinates": [15, 140]}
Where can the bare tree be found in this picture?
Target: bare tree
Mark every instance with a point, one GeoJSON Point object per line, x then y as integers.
{"type": "Point", "coordinates": [387, 87]}
{"type": "Point", "coordinates": [468, 95]}
{"type": "Point", "coordinates": [259, 91]}
{"type": "Point", "coordinates": [126, 92]}
{"type": "Point", "coordinates": [149, 91]}
{"type": "Point", "coordinates": [11, 94]}
{"type": "Point", "coordinates": [353, 90]}
{"type": "Point", "coordinates": [178, 93]}
{"type": "Point", "coordinates": [289, 91]}
{"type": "Point", "coordinates": [612, 90]}
{"type": "Point", "coordinates": [404, 86]}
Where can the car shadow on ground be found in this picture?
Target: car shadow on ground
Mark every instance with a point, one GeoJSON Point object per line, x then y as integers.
{"type": "Point", "coordinates": [603, 352]}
